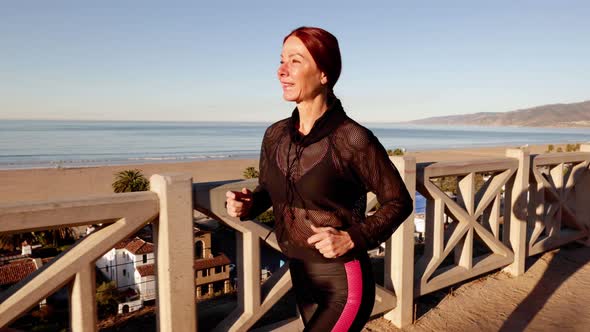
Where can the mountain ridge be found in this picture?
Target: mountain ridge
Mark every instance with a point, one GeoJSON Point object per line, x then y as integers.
{"type": "Point", "coordinates": [551, 115]}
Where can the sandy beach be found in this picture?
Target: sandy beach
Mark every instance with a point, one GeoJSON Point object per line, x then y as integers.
{"type": "Point", "coordinates": [60, 183]}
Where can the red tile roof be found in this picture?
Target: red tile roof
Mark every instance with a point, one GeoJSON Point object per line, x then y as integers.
{"type": "Point", "coordinates": [138, 246]}
{"type": "Point", "coordinates": [15, 272]}
{"type": "Point", "coordinates": [122, 244]}
{"type": "Point", "coordinates": [146, 270]}
{"type": "Point", "coordinates": [206, 263]}
{"type": "Point", "coordinates": [200, 264]}
{"type": "Point", "coordinates": [146, 248]}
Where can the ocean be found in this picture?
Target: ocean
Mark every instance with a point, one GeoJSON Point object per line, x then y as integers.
{"type": "Point", "coordinates": [46, 143]}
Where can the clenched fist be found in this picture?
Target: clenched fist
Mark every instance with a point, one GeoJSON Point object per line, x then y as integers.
{"type": "Point", "coordinates": [330, 242]}
{"type": "Point", "coordinates": [238, 204]}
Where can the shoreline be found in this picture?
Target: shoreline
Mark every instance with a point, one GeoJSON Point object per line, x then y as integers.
{"type": "Point", "coordinates": [73, 164]}
{"type": "Point", "coordinates": [38, 184]}
{"type": "Point", "coordinates": [76, 164]}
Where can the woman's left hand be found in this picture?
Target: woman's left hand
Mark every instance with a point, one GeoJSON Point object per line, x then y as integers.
{"type": "Point", "coordinates": [330, 242]}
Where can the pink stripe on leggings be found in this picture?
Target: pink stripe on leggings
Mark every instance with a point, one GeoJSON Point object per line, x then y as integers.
{"type": "Point", "coordinates": [355, 295]}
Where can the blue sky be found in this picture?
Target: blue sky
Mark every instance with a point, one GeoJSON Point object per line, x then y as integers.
{"type": "Point", "coordinates": [190, 61]}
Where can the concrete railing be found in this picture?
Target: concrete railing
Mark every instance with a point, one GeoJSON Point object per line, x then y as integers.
{"type": "Point", "coordinates": [528, 204]}
{"type": "Point", "coordinates": [122, 215]}
{"type": "Point", "coordinates": [475, 215]}
{"type": "Point", "coordinates": [559, 205]}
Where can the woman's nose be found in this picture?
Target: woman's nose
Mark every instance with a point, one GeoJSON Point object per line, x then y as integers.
{"type": "Point", "coordinates": [282, 71]}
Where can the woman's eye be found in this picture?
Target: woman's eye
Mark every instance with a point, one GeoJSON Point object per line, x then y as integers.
{"type": "Point", "coordinates": [296, 61]}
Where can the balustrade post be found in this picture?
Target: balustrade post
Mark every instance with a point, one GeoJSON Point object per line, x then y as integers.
{"type": "Point", "coordinates": [248, 264]}
{"type": "Point", "coordinates": [399, 254]}
{"type": "Point", "coordinates": [173, 239]}
{"type": "Point", "coordinates": [83, 300]}
{"type": "Point", "coordinates": [515, 211]}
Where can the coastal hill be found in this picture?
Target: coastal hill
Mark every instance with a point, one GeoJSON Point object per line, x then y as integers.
{"type": "Point", "coordinates": [555, 115]}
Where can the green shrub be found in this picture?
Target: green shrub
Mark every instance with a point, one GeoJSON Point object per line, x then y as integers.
{"type": "Point", "coordinates": [266, 217]}
{"type": "Point", "coordinates": [572, 147]}
{"type": "Point", "coordinates": [451, 183]}
{"type": "Point", "coordinates": [251, 173]}
{"type": "Point", "coordinates": [396, 152]}
{"type": "Point", "coordinates": [130, 180]}
{"type": "Point", "coordinates": [107, 298]}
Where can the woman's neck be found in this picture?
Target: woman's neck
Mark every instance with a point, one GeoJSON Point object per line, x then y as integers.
{"type": "Point", "coordinates": [310, 111]}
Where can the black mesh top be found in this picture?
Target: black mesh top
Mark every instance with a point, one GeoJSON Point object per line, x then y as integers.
{"type": "Point", "coordinates": [322, 178]}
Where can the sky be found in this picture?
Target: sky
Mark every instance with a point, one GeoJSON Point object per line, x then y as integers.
{"type": "Point", "coordinates": [217, 60]}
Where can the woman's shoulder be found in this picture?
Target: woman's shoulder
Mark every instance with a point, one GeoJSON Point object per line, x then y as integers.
{"type": "Point", "coordinates": [353, 134]}
{"type": "Point", "coordinates": [277, 128]}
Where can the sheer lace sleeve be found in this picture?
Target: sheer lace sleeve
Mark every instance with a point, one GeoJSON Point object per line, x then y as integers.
{"type": "Point", "coordinates": [373, 166]}
{"type": "Point", "coordinates": [261, 199]}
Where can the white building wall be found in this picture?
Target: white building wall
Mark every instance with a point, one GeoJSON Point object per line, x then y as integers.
{"type": "Point", "coordinates": [122, 268]}
{"type": "Point", "coordinates": [106, 265]}
{"type": "Point", "coordinates": [147, 288]}
{"type": "Point", "coordinates": [126, 270]}
{"type": "Point", "coordinates": [149, 259]}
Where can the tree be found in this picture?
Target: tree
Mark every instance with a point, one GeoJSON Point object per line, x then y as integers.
{"type": "Point", "coordinates": [572, 147]}
{"type": "Point", "coordinates": [11, 241]}
{"type": "Point", "coordinates": [130, 180]}
{"type": "Point", "coordinates": [550, 148]}
{"type": "Point", "coordinates": [396, 152]}
{"type": "Point", "coordinates": [107, 298]}
{"type": "Point", "coordinates": [266, 217]}
{"type": "Point", "coordinates": [251, 173]}
{"type": "Point", "coordinates": [53, 237]}
{"type": "Point", "coordinates": [450, 184]}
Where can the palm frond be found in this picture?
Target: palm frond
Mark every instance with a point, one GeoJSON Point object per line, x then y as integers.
{"type": "Point", "coordinates": [130, 180]}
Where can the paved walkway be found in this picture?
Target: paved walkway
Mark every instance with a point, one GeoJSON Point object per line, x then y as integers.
{"type": "Point", "coordinates": [553, 295]}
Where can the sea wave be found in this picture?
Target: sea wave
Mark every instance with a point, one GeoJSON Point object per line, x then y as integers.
{"type": "Point", "coordinates": [75, 163]}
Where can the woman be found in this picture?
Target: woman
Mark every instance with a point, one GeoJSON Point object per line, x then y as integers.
{"type": "Point", "coordinates": [316, 168]}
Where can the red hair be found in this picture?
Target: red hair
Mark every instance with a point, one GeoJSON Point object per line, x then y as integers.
{"type": "Point", "coordinates": [324, 49]}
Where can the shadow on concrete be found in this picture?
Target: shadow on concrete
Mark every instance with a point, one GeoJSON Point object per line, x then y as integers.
{"type": "Point", "coordinates": [561, 266]}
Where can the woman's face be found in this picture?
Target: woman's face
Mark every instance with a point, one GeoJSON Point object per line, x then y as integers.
{"type": "Point", "coordinates": [298, 73]}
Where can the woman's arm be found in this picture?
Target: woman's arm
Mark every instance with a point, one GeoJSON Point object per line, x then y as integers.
{"type": "Point", "coordinates": [260, 198]}
{"type": "Point", "coordinates": [379, 176]}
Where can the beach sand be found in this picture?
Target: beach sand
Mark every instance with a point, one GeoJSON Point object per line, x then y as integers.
{"type": "Point", "coordinates": [64, 183]}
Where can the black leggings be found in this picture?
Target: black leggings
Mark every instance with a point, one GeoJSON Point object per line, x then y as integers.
{"type": "Point", "coordinates": [334, 296]}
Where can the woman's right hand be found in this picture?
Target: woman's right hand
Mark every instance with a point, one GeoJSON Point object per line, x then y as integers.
{"type": "Point", "coordinates": [238, 204]}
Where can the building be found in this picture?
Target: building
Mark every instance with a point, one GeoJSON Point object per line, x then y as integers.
{"type": "Point", "coordinates": [15, 271]}
{"type": "Point", "coordinates": [131, 265]}
{"type": "Point", "coordinates": [123, 264]}
{"type": "Point", "coordinates": [212, 276]}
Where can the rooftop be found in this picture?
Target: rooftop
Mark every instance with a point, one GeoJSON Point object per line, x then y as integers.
{"type": "Point", "coordinates": [200, 264]}
{"type": "Point", "coordinates": [16, 271]}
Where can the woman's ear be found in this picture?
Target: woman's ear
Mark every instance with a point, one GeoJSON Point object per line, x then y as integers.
{"type": "Point", "coordinates": [323, 78]}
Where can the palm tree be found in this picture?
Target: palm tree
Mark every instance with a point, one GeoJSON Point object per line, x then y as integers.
{"type": "Point", "coordinates": [53, 237]}
{"type": "Point", "coordinates": [11, 241]}
{"type": "Point", "coordinates": [129, 181]}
